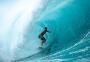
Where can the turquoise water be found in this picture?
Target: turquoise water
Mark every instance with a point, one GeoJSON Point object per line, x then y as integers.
{"type": "Point", "coordinates": [67, 20]}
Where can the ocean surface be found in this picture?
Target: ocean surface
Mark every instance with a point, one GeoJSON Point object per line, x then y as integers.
{"type": "Point", "coordinates": [21, 21]}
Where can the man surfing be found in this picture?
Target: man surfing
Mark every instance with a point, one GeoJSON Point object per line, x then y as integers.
{"type": "Point", "coordinates": [41, 36]}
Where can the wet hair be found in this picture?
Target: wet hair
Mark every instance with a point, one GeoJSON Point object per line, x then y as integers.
{"type": "Point", "coordinates": [45, 27]}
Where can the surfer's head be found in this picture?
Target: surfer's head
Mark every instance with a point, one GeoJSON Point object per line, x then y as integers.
{"type": "Point", "coordinates": [46, 28]}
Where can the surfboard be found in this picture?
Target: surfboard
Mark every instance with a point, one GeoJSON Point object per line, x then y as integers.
{"type": "Point", "coordinates": [40, 47]}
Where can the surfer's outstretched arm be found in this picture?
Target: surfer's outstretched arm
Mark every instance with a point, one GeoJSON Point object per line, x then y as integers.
{"type": "Point", "coordinates": [49, 31]}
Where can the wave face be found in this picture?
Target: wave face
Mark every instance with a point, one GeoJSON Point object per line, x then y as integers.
{"type": "Point", "coordinates": [67, 20]}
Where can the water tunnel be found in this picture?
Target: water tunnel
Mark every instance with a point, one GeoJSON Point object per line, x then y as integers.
{"type": "Point", "coordinates": [22, 21]}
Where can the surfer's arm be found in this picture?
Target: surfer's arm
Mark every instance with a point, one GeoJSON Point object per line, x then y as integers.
{"type": "Point", "coordinates": [48, 31]}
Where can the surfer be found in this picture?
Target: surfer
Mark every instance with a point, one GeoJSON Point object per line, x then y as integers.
{"type": "Point", "coordinates": [41, 36]}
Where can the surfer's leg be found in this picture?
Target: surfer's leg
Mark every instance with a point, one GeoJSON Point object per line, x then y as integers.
{"type": "Point", "coordinates": [43, 41]}
{"type": "Point", "coordinates": [41, 38]}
